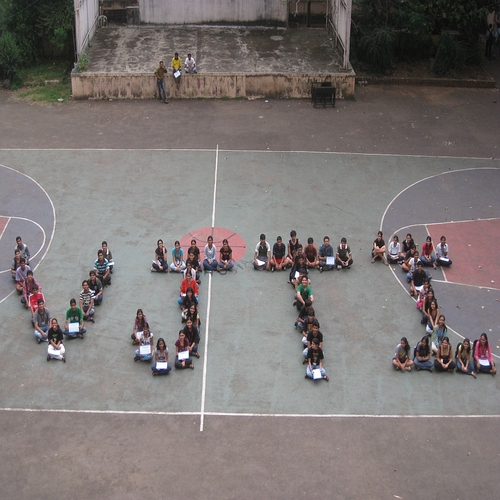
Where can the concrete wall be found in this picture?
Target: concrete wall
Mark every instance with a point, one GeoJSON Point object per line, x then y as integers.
{"type": "Point", "coordinates": [212, 11]}
{"type": "Point", "coordinates": [216, 85]}
{"type": "Point", "coordinates": [86, 13]}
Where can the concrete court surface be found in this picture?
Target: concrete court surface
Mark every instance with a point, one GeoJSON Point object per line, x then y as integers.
{"type": "Point", "coordinates": [264, 456]}
{"type": "Point", "coordinates": [215, 49]}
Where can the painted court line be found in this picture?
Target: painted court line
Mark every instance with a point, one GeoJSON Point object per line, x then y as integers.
{"type": "Point", "coordinates": [228, 414]}
{"type": "Point", "coordinates": [6, 224]}
{"type": "Point", "coordinates": [343, 153]}
{"type": "Point", "coordinates": [427, 178]}
{"type": "Point", "coordinates": [467, 284]}
{"type": "Point", "coordinates": [53, 215]}
{"type": "Point", "coordinates": [209, 301]}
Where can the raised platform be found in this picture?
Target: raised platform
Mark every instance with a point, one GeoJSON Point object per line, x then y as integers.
{"type": "Point", "coordinates": [232, 62]}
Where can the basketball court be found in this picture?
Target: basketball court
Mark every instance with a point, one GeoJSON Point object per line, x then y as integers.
{"type": "Point", "coordinates": [245, 422]}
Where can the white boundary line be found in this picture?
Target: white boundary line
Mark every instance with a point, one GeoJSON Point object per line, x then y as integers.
{"type": "Point", "coordinates": [450, 222]}
{"type": "Point", "coordinates": [431, 177]}
{"type": "Point", "coordinates": [51, 204]}
{"type": "Point", "coordinates": [447, 282]}
{"type": "Point", "coordinates": [209, 301]}
{"type": "Point", "coordinates": [343, 153]}
{"type": "Point", "coordinates": [36, 224]}
{"type": "Point", "coordinates": [227, 414]}
{"type": "Point", "coordinates": [53, 225]}
{"type": "Point", "coordinates": [5, 227]}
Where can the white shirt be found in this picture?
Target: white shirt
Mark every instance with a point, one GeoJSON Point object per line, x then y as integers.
{"type": "Point", "coordinates": [189, 63]}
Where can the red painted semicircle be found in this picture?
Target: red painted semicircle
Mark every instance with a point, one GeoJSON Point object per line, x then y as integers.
{"type": "Point", "coordinates": [236, 242]}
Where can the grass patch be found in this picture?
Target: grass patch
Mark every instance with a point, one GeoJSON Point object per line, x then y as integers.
{"type": "Point", "coordinates": [46, 94]}
{"type": "Point", "coordinates": [34, 77]}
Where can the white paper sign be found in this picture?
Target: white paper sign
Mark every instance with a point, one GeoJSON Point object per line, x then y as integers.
{"type": "Point", "coordinates": [161, 365]}
{"type": "Point", "coordinates": [183, 355]}
{"type": "Point", "coordinates": [73, 327]}
{"type": "Point", "coordinates": [316, 374]}
{"type": "Point", "coordinates": [330, 261]}
{"type": "Point", "coordinates": [144, 350]}
{"type": "Point", "coordinates": [177, 74]}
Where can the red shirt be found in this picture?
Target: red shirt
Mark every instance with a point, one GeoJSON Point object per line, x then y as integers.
{"type": "Point", "coordinates": [185, 285]}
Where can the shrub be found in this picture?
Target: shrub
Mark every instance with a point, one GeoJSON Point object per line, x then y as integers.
{"type": "Point", "coordinates": [377, 48]}
{"type": "Point", "coordinates": [10, 57]}
{"type": "Point", "coordinates": [83, 63]}
{"type": "Point", "coordinates": [451, 56]}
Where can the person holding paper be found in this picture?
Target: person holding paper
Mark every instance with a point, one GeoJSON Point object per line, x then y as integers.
{"type": "Point", "coordinates": [192, 336]}
{"type": "Point", "coordinates": [483, 356]}
{"type": "Point", "coordinates": [343, 257]}
{"type": "Point", "coordinates": [139, 323]}
{"type": "Point", "coordinates": [262, 255]}
{"type": "Point", "coordinates": [315, 357]}
{"type": "Point", "coordinates": [394, 252]}
{"type": "Point", "coordinates": [176, 67]}
{"type": "Point", "coordinates": [146, 346]}
{"type": "Point", "coordinates": [326, 256]}
{"type": "Point", "coordinates": [161, 365]}
{"type": "Point", "coordinates": [73, 326]}
{"type": "Point", "coordinates": [55, 348]}
{"type": "Point", "coordinates": [442, 258]}
{"type": "Point", "coordinates": [182, 359]}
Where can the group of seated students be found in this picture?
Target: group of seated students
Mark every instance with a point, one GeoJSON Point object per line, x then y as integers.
{"type": "Point", "coordinates": [470, 358]}
{"type": "Point", "coordinates": [179, 264]}
{"type": "Point", "coordinates": [297, 258]}
{"type": "Point", "coordinates": [299, 261]}
{"type": "Point", "coordinates": [186, 345]}
{"type": "Point", "coordinates": [46, 327]}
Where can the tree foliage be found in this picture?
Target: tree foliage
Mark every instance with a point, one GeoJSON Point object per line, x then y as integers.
{"type": "Point", "coordinates": [412, 21]}
{"type": "Point", "coordinates": [32, 29]}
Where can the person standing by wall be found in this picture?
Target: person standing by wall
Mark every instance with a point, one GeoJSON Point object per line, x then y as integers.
{"type": "Point", "coordinates": [176, 67]}
{"type": "Point", "coordinates": [160, 82]}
